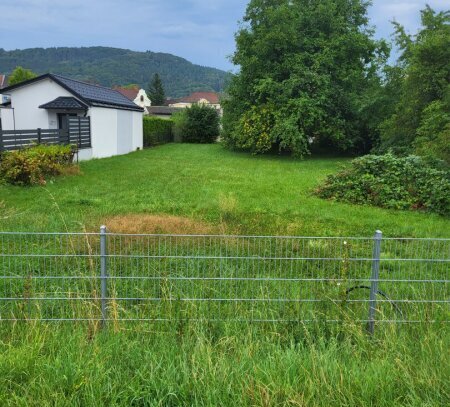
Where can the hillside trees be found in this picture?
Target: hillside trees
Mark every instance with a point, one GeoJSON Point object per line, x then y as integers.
{"type": "Point", "coordinates": [305, 71]}
{"type": "Point", "coordinates": [115, 67]}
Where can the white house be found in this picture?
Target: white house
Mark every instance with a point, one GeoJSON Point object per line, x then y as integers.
{"type": "Point", "coordinates": [3, 83]}
{"type": "Point", "coordinates": [136, 95]}
{"type": "Point", "coordinates": [202, 98]}
{"type": "Point", "coordinates": [113, 122]}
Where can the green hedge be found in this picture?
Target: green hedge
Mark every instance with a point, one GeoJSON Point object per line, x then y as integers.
{"type": "Point", "coordinates": [157, 131]}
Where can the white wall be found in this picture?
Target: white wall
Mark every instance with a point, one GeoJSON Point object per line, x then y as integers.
{"type": "Point", "coordinates": [26, 101]}
{"type": "Point", "coordinates": [84, 154]}
{"type": "Point", "coordinates": [124, 131]}
{"type": "Point", "coordinates": [138, 130]}
{"type": "Point", "coordinates": [115, 132]}
{"type": "Point", "coordinates": [103, 131]}
{"type": "Point", "coordinates": [142, 103]}
{"type": "Point", "coordinates": [7, 117]}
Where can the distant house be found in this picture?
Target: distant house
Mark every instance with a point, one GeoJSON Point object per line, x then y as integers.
{"type": "Point", "coordinates": [105, 122]}
{"type": "Point", "coordinates": [163, 112]}
{"type": "Point", "coordinates": [206, 98]}
{"type": "Point", "coordinates": [136, 95]}
{"type": "Point", "coordinates": [3, 83]}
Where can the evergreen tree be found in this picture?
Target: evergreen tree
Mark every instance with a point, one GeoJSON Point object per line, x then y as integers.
{"type": "Point", "coordinates": [156, 91]}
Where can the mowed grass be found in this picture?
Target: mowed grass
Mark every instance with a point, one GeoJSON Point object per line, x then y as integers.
{"type": "Point", "coordinates": [233, 192]}
{"type": "Point", "coordinates": [207, 189]}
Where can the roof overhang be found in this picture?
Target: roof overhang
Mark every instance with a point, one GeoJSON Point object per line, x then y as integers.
{"type": "Point", "coordinates": [64, 103]}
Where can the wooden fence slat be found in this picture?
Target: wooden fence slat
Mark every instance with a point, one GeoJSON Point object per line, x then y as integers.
{"type": "Point", "coordinates": [78, 133]}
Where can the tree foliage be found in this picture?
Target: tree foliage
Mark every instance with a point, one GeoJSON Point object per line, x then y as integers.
{"type": "Point", "coordinates": [20, 74]}
{"type": "Point", "coordinates": [305, 69]}
{"type": "Point", "coordinates": [156, 91]}
{"type": "Point", "coordinates": [420, 121]}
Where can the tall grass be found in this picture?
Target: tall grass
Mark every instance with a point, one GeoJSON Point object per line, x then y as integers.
{"type": "Point", "coordinates": [198, 365]}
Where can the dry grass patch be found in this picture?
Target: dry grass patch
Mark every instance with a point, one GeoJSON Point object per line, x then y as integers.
{"type": "Point", "coordinates": [159, 224]}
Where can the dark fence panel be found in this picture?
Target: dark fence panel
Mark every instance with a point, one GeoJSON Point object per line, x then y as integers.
{"type": "Point", "coordinates": [77, 134]}
{"type": "Point", "coordinates": [80, 131]}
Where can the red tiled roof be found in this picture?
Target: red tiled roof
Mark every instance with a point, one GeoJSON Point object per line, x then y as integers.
{"type": "Point", "coordinates": [195, 97]}
{"type": "Point", "coordinates": [2, 81]}
{"type": "Point", "coordinates": [131, 94]}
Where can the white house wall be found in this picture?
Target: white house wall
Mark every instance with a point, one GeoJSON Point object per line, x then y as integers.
{"type": "Point", "coordinates": [138, 130]}
{"type": "Point", "coordinates": [7, 116]}
{"type": "Point", "coordinates": [142, 99]}
{"type": "Point", "coordinates": [115, 132]}
{"type": "Point", "coordinates": [124, 131]}
{"type": "Point", "coordinates": [29, 98]}
{"type": "Point", "coordinates": [103, 131]}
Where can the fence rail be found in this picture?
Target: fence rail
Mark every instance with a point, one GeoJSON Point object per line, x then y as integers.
{"type": "Point", "coordinates": [78, 133]}
{"type": "Point", "coordinates": [107, 276]}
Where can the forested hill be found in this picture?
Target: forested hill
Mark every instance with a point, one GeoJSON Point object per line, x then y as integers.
{"type": "Point", "coordinates": [114, 66]}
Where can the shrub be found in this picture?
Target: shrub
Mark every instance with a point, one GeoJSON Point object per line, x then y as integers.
{"type": "Point", "coordinates": [33, 165]}
{"type": "Point", "coordinates": [391, 182]}
{"type": "Point", "coordinates": [157, 131]}
{"type": "Point", "coordinates": [197, 124]}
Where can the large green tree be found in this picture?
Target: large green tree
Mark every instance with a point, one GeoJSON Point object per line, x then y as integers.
{"type": "Point", "coordinates": [156, 91]}
{"type": "Point", "coordinates": [20, 74]}
{"type": "Point", "coordinates": [304, 70]}
{"type": "Point", "coordinates": [420, 121]}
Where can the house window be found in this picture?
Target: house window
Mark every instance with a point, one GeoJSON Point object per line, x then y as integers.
{"type": "Point", "coordinates": [142, 98]}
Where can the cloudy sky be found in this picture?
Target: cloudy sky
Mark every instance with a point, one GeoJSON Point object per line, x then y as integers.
{"type": "Point", "coordinates": [198, 30]}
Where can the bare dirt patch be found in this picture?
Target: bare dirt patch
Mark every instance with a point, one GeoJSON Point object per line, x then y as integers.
{"type": "Point", "coordinates": [158, 224]}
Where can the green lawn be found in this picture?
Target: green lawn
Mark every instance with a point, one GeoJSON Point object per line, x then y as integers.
{"type": "Point", "coordinates": [241, 193]}
{"type": "Point", "coordinates": [207, 189]}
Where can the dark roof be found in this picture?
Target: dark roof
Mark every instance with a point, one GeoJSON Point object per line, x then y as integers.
{"type": "Point", "coordinates": [92, 95]}
{"type": "Point", "coordinates": [66, 103]}
{"type": "Point", "coordinates": [162, 110]}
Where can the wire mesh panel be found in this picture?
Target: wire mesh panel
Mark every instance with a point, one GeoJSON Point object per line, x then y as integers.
{"type": "Point", "coordinates": [49, 276]}
{"type": "Point", "coordinates": [221, 278]}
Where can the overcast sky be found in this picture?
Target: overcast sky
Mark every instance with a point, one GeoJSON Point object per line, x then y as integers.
{"type": "Point", "coordinates": [198, 30]}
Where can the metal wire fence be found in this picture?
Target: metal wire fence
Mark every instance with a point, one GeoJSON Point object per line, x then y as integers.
{"type": "Point", "coordinates": [108, 276]}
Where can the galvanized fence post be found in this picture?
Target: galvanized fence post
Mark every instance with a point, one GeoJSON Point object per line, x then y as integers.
{"type": "Point", "coordinates": [103, 274]}
{"type": "Point", "coordinates": [374, 280]}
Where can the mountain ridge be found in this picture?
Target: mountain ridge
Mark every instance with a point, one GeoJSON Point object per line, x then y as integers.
{"type": "Point", "coordinates": [110, 67]}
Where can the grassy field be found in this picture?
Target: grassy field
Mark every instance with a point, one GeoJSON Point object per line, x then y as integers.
{"type": "Point", "coordinates": [214, 188]}
{"type": "Point", "coordinates": [206, 189]}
